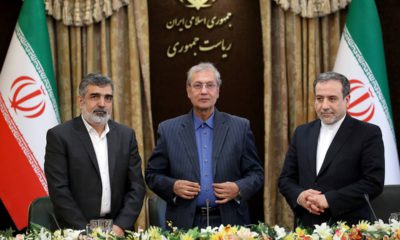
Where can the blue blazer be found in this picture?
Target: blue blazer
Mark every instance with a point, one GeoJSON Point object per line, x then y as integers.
{"type": "Point", "coordinates": [234, 159]}
{"type": "Point", "coordinates": [354, 165]}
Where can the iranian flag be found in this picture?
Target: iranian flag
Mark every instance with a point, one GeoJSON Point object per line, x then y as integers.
{"type": "Point", "coordinates": [28, 107]}
{"type": "Point", "coordinates": [361, 59]}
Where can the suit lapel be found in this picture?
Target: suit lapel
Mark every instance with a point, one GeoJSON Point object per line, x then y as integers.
{"type": "Point", "coordinates": [338, 141]}
{"type": "Point", "coordinates": [112, 143]}
{"type": "Point", "coordinates": [188, 137]}
{"type": "Point", "coordinates": [86, 141]}
{"type": "Point", "coordinates": [313, 144]}
{"type": "Point", "coordinates": [219, 134]}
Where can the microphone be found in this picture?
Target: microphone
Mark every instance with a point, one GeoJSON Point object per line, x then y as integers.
{"type": "Point", "coordinates": [370, 206]}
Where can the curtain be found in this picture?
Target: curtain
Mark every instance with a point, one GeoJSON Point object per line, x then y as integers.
{"type": "Point", "coordinates": [312, 8]}
{"type": "Point", "coordinates": [295, 51]}
{"type": "Point", "coordinates": [117, 46]}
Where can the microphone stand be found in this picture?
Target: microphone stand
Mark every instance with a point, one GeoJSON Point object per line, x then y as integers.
{"type": "Point", "coordinates": [370, 206]}
{"type": "Point", "coordinates": [208, 212]}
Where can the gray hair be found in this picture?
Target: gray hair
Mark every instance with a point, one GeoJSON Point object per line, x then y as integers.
{"type": "Point", "coordinates": [94, 79]}
{"type": "Point", "coordinates": [327, 76]}
{"type": "Point", "coordinates": [202, 67]}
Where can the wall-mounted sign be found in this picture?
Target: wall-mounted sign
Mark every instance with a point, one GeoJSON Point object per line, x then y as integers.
{"type": "Point", "coordinates": [202, 26]}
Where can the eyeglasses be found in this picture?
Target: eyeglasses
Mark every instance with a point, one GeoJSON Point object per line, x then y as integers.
{"type": "Point", "coordinates": [199, 86]}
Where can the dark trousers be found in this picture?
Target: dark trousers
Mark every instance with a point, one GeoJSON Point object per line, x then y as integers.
{"type": "Point", "coordinates": [200, 219]}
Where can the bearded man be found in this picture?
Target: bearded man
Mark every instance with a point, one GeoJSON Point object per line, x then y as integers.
{"type": "Point", "coordinates": [92, 164]}
{"type": "Point", "coordinates": [334, 163]}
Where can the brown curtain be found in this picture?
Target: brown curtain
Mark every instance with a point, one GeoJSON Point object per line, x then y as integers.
{"type": "Point", "coordinates": [118, 47]}
{"type": "Point", "coordinates": [296, 50]}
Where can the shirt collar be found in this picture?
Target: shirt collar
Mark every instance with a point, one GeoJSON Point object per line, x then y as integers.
{"type": "Point", "coordinates": [91, 129]}
{"type": "Point", "coordinates": [198, 122]}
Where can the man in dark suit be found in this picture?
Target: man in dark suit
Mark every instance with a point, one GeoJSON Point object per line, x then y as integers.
{"type": "Point", "coordinates": [205, 164]}
{"type": "Point", "coordinates": [92, 164]}
{"type": "Point", "coordinates": [334, 163]}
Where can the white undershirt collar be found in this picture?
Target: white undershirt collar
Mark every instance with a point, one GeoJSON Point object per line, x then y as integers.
{"type": "Point", "coordinates": [325, 138]}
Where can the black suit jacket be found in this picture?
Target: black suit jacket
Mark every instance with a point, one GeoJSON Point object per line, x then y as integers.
{"type": "Point", "coordinates": [234, 159]}
{"type": "Point", "coordinates": [353, 166]}
{"type": "Point", "coordinates": [73, 176]}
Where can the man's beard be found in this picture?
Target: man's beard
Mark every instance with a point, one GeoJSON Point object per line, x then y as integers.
{"type": "Point", "coordinates": [332, 120]}
{"type": "Point", "coordinates": [98, 116]}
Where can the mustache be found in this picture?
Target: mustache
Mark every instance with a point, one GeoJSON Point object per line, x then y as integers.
{"type": "Point", "coordinates": [326, 111]}
{"type": "Point", "coordinates": [99, 111]}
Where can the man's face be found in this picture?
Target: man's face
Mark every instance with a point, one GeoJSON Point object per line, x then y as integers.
{"type": "Point", "coordinates": [96, 105]}
{"type": "Point", "coordinates": [203, 91]}
{"type": "Point", "coordinates": [330, 104]}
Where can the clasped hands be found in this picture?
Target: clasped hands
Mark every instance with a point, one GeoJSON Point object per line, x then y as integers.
{"type": "Point", "coordinates": [223, 191]}
{"type": "Point", "coordinates": [119, 232]}
{"type": "Point", "coordinates": [313, 201]}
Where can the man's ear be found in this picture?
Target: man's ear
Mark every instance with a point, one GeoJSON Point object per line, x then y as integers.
{"type": "Point", "coordinates": [347, 98]}
{"type": "Point", "coordinates": [187, 91]}
{"type": "Point", "coordinates": [79, 100]}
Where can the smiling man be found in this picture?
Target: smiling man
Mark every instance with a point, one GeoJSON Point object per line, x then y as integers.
{"type": "Point", "coordinates": [334, 163]}
{"type": "Point", "coordinates": [205, 164]}
{"type": "Point", "coordinates": [92, 164]}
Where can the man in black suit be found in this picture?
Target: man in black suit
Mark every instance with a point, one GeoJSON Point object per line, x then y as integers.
{"type": "Point", "coordinates": [334, 163]}
{"type": "Point", "coordinates": [92, 164]}
{"type": "Point", "coordinates": [205, 162]}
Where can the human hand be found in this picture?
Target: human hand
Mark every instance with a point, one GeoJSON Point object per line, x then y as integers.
{"type": "Point", "coordinates": [225, 191]}
{"type": "Point", "coordinates": [119, 232]}
{"type": "Point", "coordinates": [307, 199]}
{"type": "Point", "coordinates": [319, 200]}
{"type": "Point", "coordinates": [186, 189]}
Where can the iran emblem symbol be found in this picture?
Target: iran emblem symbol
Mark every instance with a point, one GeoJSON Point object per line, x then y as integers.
{"type": "Point", "coordinates": [361, 105]}
{"type": "Point", "coordinates": [28, 97]}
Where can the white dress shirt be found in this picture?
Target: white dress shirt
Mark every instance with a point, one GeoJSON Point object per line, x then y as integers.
{"type": "Point", "coordinates": [326, 135]}
{"type": "Point", "coordinates": [99, 143]}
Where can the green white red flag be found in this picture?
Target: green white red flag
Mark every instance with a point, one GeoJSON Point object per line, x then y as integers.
{"type": "Point", "coordinates": [361, 58]}
{"type": "Point", "coordinates": [28, 108]}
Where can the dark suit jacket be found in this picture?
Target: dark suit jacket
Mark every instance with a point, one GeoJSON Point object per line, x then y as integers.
{"type": "Point", "coordinates": [353, 166]}
{"type": "Point", "coordinates": [234, 159]}
{"type": "Point", "coordinates": [73, 176]}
